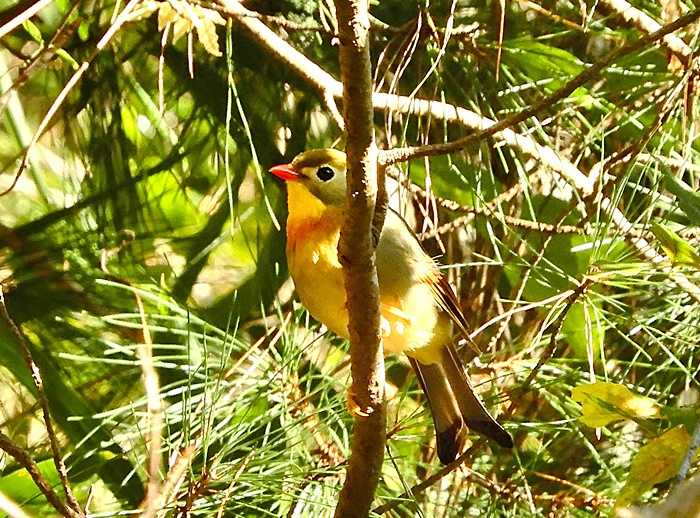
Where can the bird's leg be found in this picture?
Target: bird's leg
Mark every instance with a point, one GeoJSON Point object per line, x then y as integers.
{"type": "Point", "coordinates": [354, 407]}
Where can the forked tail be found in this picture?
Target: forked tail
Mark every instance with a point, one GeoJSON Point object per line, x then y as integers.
{"type": "Point", "coordinates": [454, 404]}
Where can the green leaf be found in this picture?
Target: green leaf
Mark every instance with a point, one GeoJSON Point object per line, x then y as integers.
{"type": "Point", "coordinates": [19, 486]}
{"type": "Point", "coordinates": [657, 461]}
{"type": "Point", "coordinates": [583, 328]}
{"type": "Point", "coordinates": [84, 31]}
{"type": "Point", "coordinates": [688, 199]}
{"type": "Point", "coordinates": [67, 58]}
{"type": "Point", "coordinates": [33, 31]}
{"type": "Point", "coordinates": [677, 249]}
{"type": "Point", "coordinates": [604, 403]}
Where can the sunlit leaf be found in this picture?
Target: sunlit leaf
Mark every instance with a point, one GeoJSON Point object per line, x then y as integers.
{"type": "Point", "coordinates": [679, 251]}
{"type": "Point", "coordinates": [166, 15]}
{"type": "Point", "coordinates": [583, 328]}
{"type": "Point", "coordinates": [67, 58]}
{"type": "Point", "coordinates": [33, 31]}
{"type": "Point", "coordinates": [657, 461]}
{"type": "Point", "coordinates": [604, 403]}
{"type": "Point", "coordinates": [688, 199]}
{"type": "Point", "coordinates": [205, 21]}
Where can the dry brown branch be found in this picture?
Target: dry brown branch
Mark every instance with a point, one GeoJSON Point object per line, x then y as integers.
{"type": "Point", "coordinates": [546, 354]}
{"type": "Point", "coordinates": [551, 348]}
{"type": "Point", "coordinates": [647, 24]}
{"type": "Point", "coordinates": [25, 460]}
{"type": "Point", "coordinates": [44, 404]}
{"type": "Point", "coordinates": [325, 84]}
{"type": "Point", "coordinates": [152, 502]}
{"type": "Point", "coordinates": [529, 4]}
{"type": "Point", "coordinates": [690, 454]}
{"type": "Point", "coordinates": [356, 252]}
{"type": "Point", "coordinates": [490, 210]}
{"type": "Point", "coordinates": [173, 480]}
{"type": "Point", "coordinates": [431, 480]}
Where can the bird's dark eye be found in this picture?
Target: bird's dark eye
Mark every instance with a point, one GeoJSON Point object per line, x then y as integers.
{"type": "Point", "coordinates": [325, 173]}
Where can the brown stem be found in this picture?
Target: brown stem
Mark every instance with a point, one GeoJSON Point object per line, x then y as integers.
{"type": "Point", "coordinates": [647, 24]}
{"type": "Point", "coordinates": [356, 250]}
{"type": "Point", "coordinates": [44, 403]}
{"type": "Point", "coordinates": [25, 460]}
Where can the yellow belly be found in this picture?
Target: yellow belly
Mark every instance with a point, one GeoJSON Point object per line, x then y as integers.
{"type": "Point", "coordinates": [410, 324]}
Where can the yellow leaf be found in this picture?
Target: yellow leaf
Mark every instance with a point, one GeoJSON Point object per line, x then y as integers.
{"type": "Point", "coordinates": [166, 15]}
{"type": "Point", "coordinates": [658, 460]}
{"type": "Point", "coordinates": [604, 403]}
{"type": "Point", "coordinates": [181, 27]}
{"type": "Point", "coordinates": [206, 32]}
{"type": "Point", "coordinates": [206, 29]}
{"type": "Point", "coordinates": [144, 10]}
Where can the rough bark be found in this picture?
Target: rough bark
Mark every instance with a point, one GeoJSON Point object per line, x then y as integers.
{"type": "Point", "coordinates": [356, 250]}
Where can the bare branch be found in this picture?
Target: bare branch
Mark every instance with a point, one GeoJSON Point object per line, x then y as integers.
{"type": "Point", "coordinates": [486, 127]}
{"type": "Point", "coordinates": [25, 460]}
{"type": "Point", "coordinates": [44, 404]}
{"type": "Point", "coordinates": [431, 480]}
{"type": "Point", "coordinates": [690, 455]}
{"type": "Point", "coordinates": [356, 252]}
{"type": "Point", "coordinates": [647, 24]}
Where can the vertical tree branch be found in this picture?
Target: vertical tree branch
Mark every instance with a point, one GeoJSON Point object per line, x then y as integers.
{"type": "Point", "coordinates": [356, 250]}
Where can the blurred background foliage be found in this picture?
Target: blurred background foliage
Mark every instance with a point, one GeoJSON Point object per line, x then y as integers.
{"type": "Point", "coordinates": [150, 182]}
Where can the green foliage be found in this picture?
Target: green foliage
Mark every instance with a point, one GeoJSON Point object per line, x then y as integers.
{"type": "Point", "coordinates": [124, 197]}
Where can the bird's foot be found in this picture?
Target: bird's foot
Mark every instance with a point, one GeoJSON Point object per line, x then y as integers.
{"type": "Point", "coordinates": [355, 408]}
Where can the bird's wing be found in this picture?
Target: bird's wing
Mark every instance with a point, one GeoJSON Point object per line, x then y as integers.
{"type": "Point", "coordinates": [442, 290]}
{"type": "Point", "coordinates": [447, 300]}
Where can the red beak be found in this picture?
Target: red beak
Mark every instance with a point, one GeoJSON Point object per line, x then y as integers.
{"type": "Point", "coordinates": [285, 172]}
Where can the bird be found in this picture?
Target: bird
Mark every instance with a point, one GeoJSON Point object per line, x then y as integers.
{"type": "Point", "coordinates": [418, 306]}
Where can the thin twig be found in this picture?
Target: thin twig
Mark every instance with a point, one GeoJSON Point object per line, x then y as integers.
{"type": "Point", "coordinates": [174, 478]}
{"type": "Point", "coordinates": [278, 21]}
{"type": "Point", "coordinates": [487, 127]}
{"type": "Point", "coordinates": [337, 117]}
{"type": "Point", "coordinates": [326, 84]}
{"type": "Point", "coordinates": [577, 293]}
{"type": "Point", "coordinates": [647, 24]}
{"type": "Point", "coordinates": [25, 460]}
{"type": "Point", "coordinates": [44, 403]}
{"type": "Point", "coordinates": [690, 455]}
{"type": "Point", "coordinates": [431, 480]}
{"type": "Point", "coordinates": [527, 385]}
